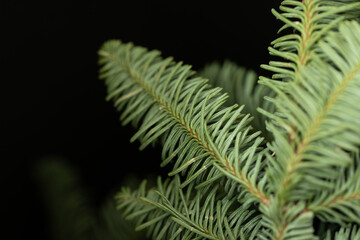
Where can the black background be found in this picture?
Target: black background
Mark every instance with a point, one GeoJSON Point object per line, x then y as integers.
{"type": "Point", "coordinates": [54, 105]}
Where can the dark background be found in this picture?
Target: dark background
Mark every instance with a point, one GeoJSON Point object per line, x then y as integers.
{"type": "Point", "coordinates": [54, 105]}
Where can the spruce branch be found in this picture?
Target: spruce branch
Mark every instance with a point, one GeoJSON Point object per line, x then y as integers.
{"type": "Point", "coordinates": [308, 171]}
{"type": "Point", "coordinates": [187, 113]}
{"type": "Point", "coordinates": [311, 20]}
{"type": "Point", "coordinates": [293, 221]}
{"type": "Point", "coordinates": [169, 212]}
{"type": "Point", "coordinates": [309, 150]}
{"type": "Point", "coordinates": [305, 159]}
{"type": "Point", "coordinates": [342, 203]}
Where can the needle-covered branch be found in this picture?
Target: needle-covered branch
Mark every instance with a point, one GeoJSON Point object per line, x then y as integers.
{"type": "Point", "coordinates": [188, 115]}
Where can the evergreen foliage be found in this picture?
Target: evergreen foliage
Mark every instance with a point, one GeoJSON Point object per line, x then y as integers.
{"type": "Point", "coordinates": [292, 173]}
{"type": "Point", "coordinates": [272, 159]}
{"type": "Point", "coordinates": [241, 85]}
